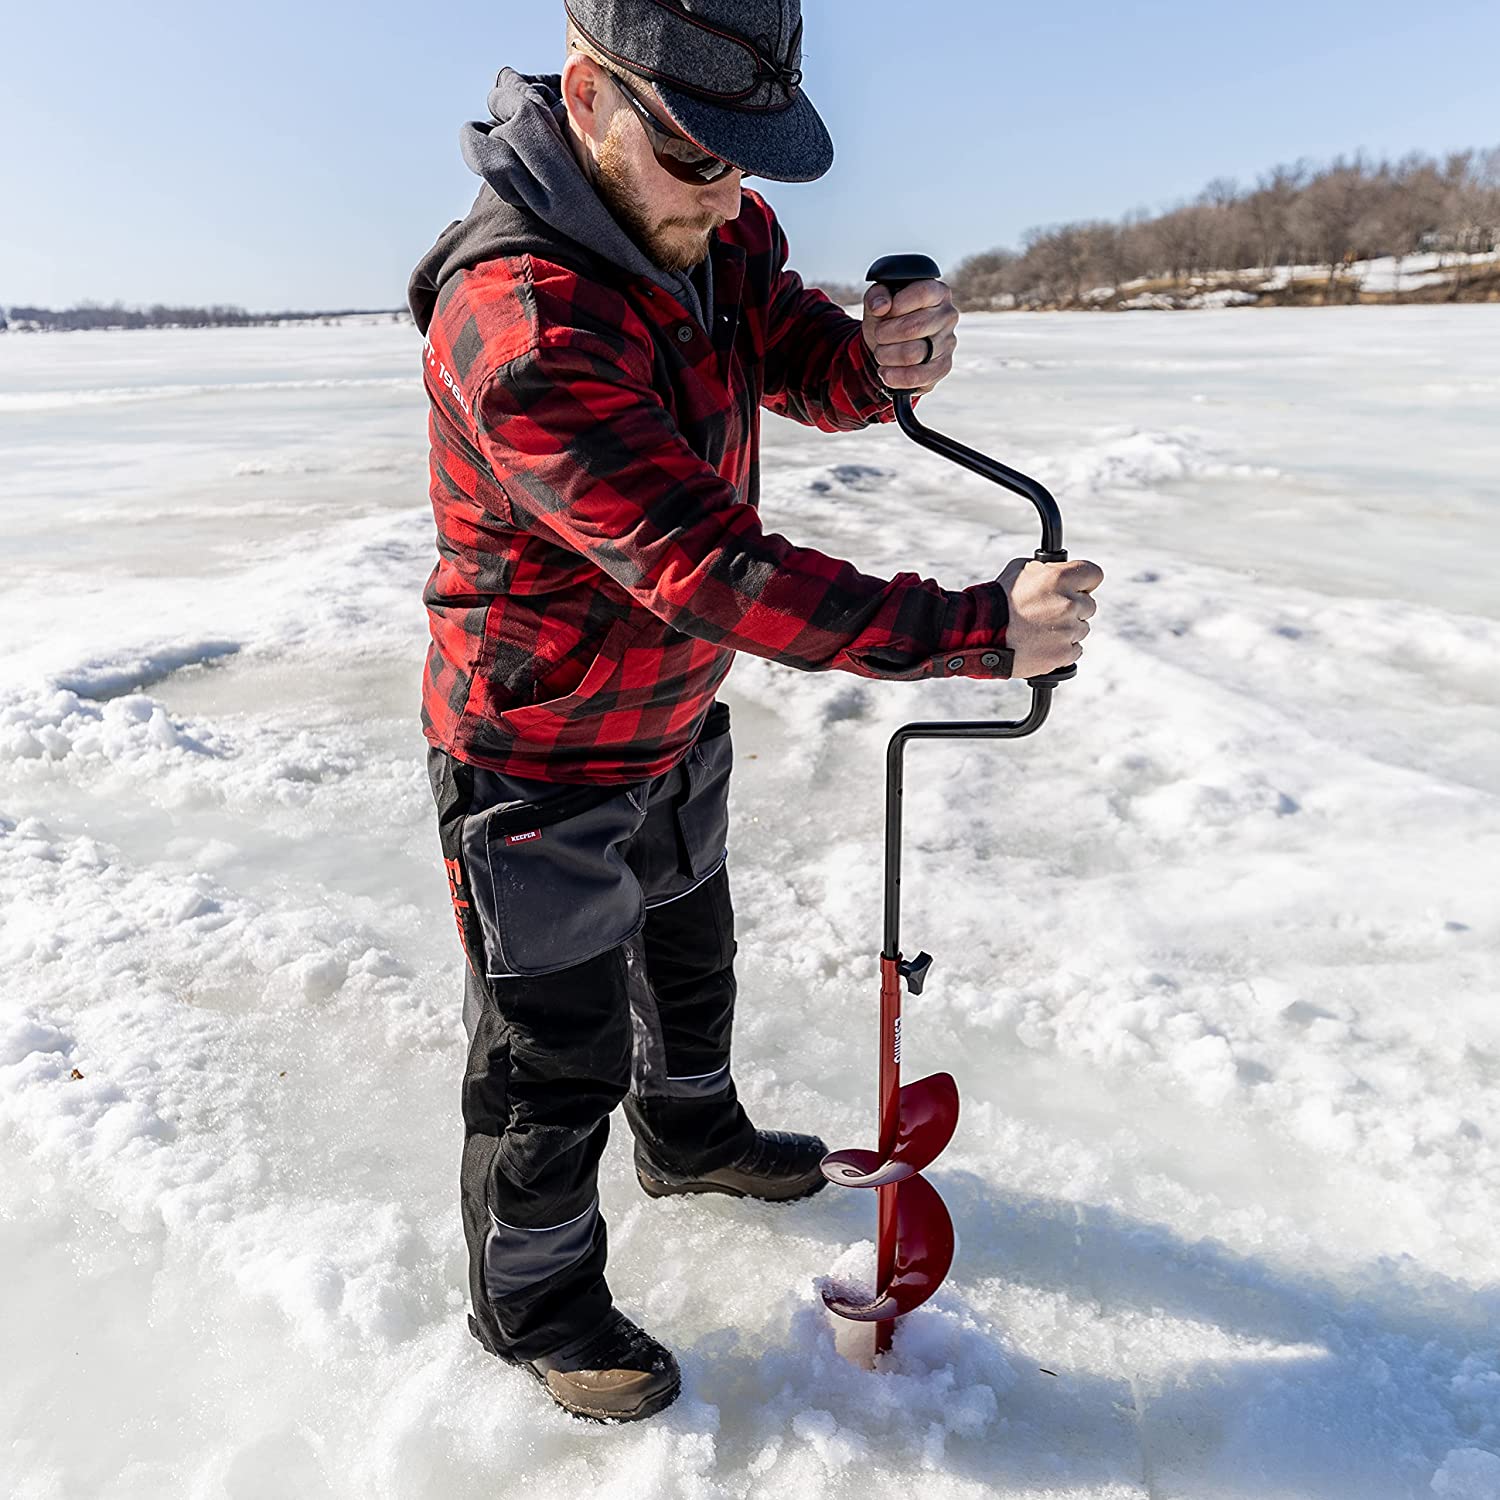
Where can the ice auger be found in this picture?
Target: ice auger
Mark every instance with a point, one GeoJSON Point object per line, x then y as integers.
{"type": "Point", "coordinates": [914, 1233]}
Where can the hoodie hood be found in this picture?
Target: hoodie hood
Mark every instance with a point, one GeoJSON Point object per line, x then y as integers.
{"type": "Point", "coordinates": [533, 184]}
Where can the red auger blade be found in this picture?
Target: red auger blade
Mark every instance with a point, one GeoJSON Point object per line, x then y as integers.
{"type": "Point", "coordinates": [926, 1122]}
{"type": "Point", "coordinates": [924, 1251]}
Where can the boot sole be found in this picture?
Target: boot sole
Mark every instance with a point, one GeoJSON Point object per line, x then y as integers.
{"type": "Point", "coordinates": [647, 1406]}
{"type": "Point", "coordinates": [655, 1189]}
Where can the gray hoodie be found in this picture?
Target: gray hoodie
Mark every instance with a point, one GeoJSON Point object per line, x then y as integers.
{"type": "Point", "coordinates": [531, 173]}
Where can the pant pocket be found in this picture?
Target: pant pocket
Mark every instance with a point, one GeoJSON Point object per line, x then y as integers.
{"type": "Point", "coordinates": [703, 813]}
{"type": "Point", "coordinates": [555, 895]}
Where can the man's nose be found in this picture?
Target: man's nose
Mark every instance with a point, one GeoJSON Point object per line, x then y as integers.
{"type": "Point", "coordinates": [726, 195]}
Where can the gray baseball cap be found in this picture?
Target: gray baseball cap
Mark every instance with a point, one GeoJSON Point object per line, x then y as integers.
{"type": "Point", "coordinates": [728, 72]}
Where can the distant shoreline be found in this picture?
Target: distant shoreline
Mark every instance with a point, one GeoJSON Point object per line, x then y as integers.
{"type": "Point", "coordinates": [124, 320]}
{"type": "Point", "coordinates": [1413, 281]}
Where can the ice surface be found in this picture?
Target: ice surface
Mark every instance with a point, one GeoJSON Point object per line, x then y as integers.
{"type": "Point", "coordinates": [1215, 953]}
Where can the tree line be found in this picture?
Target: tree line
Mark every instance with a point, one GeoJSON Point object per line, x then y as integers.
{"type": "Point", "coordinates": [1299, 215]}
{"type": "Point", "coordinates": [95, 315]}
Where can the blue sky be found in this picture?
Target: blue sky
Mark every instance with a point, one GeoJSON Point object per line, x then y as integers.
{"type": "Point", "coordinates": [284, 155]}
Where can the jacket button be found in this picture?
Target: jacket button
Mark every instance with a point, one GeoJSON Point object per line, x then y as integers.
{"type": "Point", "coordinates": [684, 334]}
{"type": "Point", "coordinates": [955, 663]}
{"type": "Point", "coordinates": [990, 659]}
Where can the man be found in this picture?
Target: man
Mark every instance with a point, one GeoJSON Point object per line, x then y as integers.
{"type": "Point", "coordinates": [602, 332]}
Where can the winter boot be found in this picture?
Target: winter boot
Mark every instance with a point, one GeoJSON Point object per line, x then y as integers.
{"type": "Point", "coordinates": [778, 1166]}
{"type": "Point", "coordinates": [615, 1373]}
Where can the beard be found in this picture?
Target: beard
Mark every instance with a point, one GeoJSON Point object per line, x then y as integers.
{"type": "Point", "coordinates": [672, 244]}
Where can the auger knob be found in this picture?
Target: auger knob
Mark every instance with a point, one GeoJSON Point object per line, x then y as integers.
{"type": "Point", "coordinates": [897, 271]}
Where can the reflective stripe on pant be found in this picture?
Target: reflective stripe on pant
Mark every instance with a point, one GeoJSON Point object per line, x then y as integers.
{"type": "Point", "coordinates": [646, 1021]}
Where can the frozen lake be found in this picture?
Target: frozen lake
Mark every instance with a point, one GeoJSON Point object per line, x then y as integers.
{"type": "Point", "coordinates": [1216, 953]}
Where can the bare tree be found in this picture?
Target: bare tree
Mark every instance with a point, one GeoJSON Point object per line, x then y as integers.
{"type": "Point", "coordinates": [983, 280]}
{"type": "Point", "coordinates": [1326, 213]}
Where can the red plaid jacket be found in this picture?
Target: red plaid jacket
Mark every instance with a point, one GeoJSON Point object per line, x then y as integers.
{"type": "Point", "coordinates": [594, 477]}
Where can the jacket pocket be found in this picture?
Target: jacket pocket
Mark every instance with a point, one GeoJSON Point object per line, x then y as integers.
{"type": "Point", "coordinates": [551, 894]}
{"type": "Point", "coordinates": [549, 713]}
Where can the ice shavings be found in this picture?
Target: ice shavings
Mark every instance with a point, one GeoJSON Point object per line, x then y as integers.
{"type": "Point", "coordinates": [61, 724]}
{"type": "Point", "coordinates": [1133, 459]}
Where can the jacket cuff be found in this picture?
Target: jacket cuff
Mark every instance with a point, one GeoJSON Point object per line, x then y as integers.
{"type": "Point", "coordinates": [975, 661]}
{"type": "Point", "coordinates": [872, 400]}
{"type": "Point", "coordinates": [969, 661]}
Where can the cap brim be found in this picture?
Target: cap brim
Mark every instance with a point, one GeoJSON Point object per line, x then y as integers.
{"type": "Point", "coordinates": [792, 145]}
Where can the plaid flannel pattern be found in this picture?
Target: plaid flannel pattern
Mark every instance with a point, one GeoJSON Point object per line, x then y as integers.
{"type": "Point", "coordinates": [594, 478]}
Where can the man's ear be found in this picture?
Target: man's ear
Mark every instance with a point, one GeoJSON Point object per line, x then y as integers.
{"type": "Point", "coordinates": [583, 94]}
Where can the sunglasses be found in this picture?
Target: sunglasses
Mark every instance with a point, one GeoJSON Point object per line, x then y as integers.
{"type": "Point", "coordinates": [675, 153]}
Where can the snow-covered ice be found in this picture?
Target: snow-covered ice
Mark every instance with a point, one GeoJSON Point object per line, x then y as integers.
{"type": "Point", "coordinates": [1215, 952]}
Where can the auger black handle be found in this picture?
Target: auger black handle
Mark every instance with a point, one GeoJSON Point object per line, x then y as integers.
{"type": "Point", "coordinates": [894, 272]}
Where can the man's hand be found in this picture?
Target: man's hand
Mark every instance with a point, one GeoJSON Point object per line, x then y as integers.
{"type": "Point", "coordinates": [894, 332]}
{"type": "Point", "coordinates": [1050, 606]}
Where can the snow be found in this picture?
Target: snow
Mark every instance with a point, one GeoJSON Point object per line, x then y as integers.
{"type": "Point", "coordinates": [1386, 273]}
{"type": "Point", "coordinates": [1159, 302]}
{"type": "Point", "coordinates": [1215, 951]}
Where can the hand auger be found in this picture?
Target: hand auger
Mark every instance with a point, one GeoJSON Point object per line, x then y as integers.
{"type": "Point", "coordinates": [914, 1234]}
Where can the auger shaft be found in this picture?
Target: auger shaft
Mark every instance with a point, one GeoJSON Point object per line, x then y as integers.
{"type": "Point", "coordinates": [914, 1234]}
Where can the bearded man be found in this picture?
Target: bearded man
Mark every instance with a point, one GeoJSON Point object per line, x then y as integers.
{"type": "Point", "coordinates": [603, 331]}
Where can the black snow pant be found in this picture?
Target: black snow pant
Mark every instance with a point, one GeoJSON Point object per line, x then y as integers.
{"type": "Point", "coordinates": [599, 935]}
